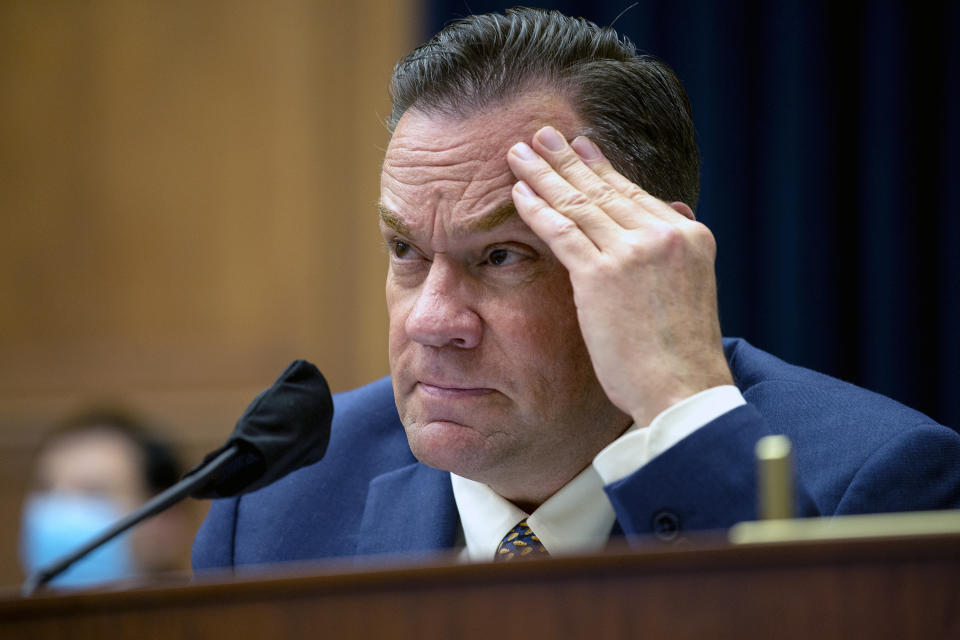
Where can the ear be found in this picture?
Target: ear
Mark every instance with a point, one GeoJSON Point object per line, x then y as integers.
{"type": "Point", "coordinates": [683, 209]}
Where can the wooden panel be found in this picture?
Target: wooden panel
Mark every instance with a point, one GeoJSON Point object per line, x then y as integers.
{"type": "Point", "coordinates": [187, 197]}
{"type": "Point", "coordinates": [906, 588]}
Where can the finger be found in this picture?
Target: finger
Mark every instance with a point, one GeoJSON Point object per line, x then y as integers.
{"type": "Point", "coordinates": [566, 240]}
{"type": "Point", "coordinates": [552, 147]}
{"type": "Point", "coordinates": [560, 196]}
{"type": "Point", "coordinates": [590, 154]}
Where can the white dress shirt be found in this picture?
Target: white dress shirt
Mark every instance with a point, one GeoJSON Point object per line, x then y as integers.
{"type": "Point", "coordinates": [578, 518]}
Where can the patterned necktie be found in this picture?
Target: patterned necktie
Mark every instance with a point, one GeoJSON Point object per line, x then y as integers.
{"type": "Point", "coordinates": [520, 542]}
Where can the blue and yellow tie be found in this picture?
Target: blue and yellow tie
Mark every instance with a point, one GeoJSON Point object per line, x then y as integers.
{"type": "Point", "coordinates": [520, 542]}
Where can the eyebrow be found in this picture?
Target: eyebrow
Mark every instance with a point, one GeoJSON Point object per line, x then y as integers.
{"type": "Point", "coordinates": [486, 222]}
{"type": "Point", "coordinates": [392, 220]}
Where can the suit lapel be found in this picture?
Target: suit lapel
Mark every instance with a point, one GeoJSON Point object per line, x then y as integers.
{"type": "Point", "coordinates": [616, 534]}
{"type": "Point", "coordinates": [409, 510]}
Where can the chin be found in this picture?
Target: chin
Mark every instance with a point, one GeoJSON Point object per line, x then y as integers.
{"type": "Point", "coordinates": [448, 446]}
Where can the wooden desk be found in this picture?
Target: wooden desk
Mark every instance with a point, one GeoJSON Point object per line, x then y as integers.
{"type": "Point", "coordinates": [899, 588]}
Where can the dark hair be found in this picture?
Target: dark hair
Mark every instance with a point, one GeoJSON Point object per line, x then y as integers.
{"type": "Point", "coordinates": [634, 106]}
{"type": "Point", "coordinates": [160, 466]}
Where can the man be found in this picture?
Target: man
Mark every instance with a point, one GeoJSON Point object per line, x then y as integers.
{"type": "Point", "coordinates": [91, 470]}
{"type": "Point", "coordinates": [555, 348]}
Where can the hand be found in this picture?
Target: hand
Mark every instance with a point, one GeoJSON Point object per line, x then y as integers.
{"type": "Point", "coordinates": [641, 270]}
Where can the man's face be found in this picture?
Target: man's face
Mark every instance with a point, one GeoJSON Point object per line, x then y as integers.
{"type": "Point", "coordinates": [98, 462]}
{"type": "Point", "coordinates": [105, 463]}
{"type": "Point", "coordinates": [491, 375]}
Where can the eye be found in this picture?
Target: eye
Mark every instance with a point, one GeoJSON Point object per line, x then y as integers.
{"type": "Point", "coordinates": [503, 257]}
{"type": "Point", "coordinates": [400, 249]}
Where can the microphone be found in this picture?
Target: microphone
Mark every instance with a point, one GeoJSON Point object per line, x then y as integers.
{"type": "Point", "coordinates": [286, 427]}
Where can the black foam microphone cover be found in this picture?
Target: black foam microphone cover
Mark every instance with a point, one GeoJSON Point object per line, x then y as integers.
{"type": "Point", "coordinates": [286, 427]}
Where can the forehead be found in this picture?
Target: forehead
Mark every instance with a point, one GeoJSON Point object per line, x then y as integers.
{"type": "Point", "coordinates": [499, 124]}
{"type": "Point", "coordinates": [89, 459]}
{"type": "Point", "coordinates": [456, 168]}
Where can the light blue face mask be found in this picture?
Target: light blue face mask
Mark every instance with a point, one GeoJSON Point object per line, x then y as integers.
{"type": "Point", "coordinates": [54, 524]}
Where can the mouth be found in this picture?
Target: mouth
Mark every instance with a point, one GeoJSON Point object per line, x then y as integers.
{"type": "Point", "coordinates": [448, 390]}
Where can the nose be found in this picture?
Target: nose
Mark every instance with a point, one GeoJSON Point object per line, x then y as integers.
{"type": "Point", "coordinates": [443, 313]}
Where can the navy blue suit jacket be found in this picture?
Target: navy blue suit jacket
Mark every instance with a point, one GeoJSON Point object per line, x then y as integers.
{"type": "Point", "coordinates": [854, 452]}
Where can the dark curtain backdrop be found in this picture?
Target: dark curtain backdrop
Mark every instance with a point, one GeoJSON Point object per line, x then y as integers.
{"type": "Point", "coordinates": [829, 136]}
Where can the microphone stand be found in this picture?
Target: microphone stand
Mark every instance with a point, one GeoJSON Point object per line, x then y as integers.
{"type": "Point", "coordinates": [162, 501]}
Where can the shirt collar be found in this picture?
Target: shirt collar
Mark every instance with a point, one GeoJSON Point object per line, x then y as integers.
{"type": "Point", "coordinates": [577, 518]}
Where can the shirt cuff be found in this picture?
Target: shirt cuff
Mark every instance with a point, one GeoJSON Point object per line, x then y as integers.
{"type": "Point", "coordinates": [637, 446]}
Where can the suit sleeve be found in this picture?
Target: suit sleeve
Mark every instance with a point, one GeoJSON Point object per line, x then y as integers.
{"type": "Point", "coordinates": [708, 480]}
{"type": "Point", "coordinates": [917, 470]}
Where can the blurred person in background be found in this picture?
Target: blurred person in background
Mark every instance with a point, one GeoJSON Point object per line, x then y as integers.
{"type": "Point", "coordinates": [89, 471]}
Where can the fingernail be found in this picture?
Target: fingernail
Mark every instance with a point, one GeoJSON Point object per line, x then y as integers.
{"type": "Point", "coordinates": [523, 151]}
{"type": "Point", "coordinates": [585, 148]}
{"type": "Point", "coordinates": [522, 188]}
{"type": "Point", "coordinates": [549, 138]}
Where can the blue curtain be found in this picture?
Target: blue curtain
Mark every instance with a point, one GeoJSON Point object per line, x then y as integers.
{"type": "Point", "coordinates": [829, 135]}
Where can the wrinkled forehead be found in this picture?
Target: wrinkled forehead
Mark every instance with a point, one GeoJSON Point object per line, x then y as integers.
{"type": "Point", "coordinates": [496, 127]}
{"type": "Point", "coordinates": [457, 167]}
